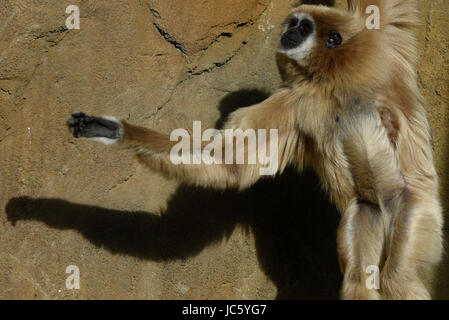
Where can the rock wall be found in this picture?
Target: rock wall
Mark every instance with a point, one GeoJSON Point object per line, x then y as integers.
{"type": "Point", "coordinates": [132, 233]}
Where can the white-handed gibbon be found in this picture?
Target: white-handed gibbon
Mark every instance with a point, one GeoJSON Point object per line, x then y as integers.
{"type": "Point", "coordinates": [350, 108]}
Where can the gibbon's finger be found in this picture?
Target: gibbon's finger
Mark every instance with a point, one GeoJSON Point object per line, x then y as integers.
{"type": "Point", "coordinates": [78, 114]}
{"type": "Point", "coordinates": [71, 122]}
{"type": "Point", "coordinates": [76, 120]}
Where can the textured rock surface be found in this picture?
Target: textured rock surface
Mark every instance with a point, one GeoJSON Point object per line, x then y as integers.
{"type": "Point", "coordinates": [161, 63]}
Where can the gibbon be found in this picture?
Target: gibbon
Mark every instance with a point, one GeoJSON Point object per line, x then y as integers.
{"type": "Point", "coordinates": [350, 108]}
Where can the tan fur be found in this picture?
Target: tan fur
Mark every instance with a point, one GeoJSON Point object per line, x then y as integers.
{"type": "Point", "coordinates": [356, 116]}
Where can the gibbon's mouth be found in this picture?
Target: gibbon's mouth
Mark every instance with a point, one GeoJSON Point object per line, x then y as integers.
{"type": "Point", "coordinates": [290, 41]}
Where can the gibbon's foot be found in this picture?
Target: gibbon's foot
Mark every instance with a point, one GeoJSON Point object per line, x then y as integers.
{"type": "Point", "coordinates": [102, 129]}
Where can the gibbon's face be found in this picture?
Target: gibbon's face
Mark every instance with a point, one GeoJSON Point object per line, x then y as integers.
{"type": "Point", "coordinates": [319, 35]}
{"type": "Point", "coordinates": [299, 36]}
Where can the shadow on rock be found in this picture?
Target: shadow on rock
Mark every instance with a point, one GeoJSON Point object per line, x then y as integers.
{"type": "Point", "coordinates": [292, 220]}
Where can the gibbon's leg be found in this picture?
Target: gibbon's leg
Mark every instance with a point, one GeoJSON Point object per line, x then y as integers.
{"type": "Point", "coordinates": [410, 214]}
{"type": "Point", "coordinates": [414, 246]}
{"type": "Point", "coordinates": [153, 148]}
{"type": "Point", "coordinates": [404, 243]}
{"type": "Point", "coordinates": [360, 246]}
{"type": "Point", "coordinates": [377, 177]}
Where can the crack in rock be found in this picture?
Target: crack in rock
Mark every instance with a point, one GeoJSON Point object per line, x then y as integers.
{"type": "Point", "coordinates": [216, 65]}
{"type": "Point", "coordinates": [44, 34]}
{"type": "Point", "coordinates": [169, 38]}
{"type": "Point", "coordinates": [124, 180]}
{"type": "Point", "coordinates": [52, 36]}
{"type": "Point", "coordinates": [6, 91]}
{"type": "Point", "coordinates": [179, 46]}
{"type": "Point", "coordinates": [226, 34]}
{"type": "Point", "coordinates": [190, 75]}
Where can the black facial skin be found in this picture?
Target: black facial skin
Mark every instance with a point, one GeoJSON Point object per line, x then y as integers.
{"type": "Point", "coordinates": [297, 32]}
{"type": "Point", "coordinates": [334, 40]}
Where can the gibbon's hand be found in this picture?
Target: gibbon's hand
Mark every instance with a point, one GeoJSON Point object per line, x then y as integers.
{"type": "Point", "coordinates": [82, 125]}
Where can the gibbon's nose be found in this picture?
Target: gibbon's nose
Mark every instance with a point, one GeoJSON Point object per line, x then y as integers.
{"type": "Point", "coordinates": [291, 38]}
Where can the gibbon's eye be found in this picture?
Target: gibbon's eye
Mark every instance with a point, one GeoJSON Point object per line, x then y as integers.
{"type": "Point", "coordinates": [334, 40]}
{"type": "Point", "coordinates": [305, 27]}
{"type": "Point", "coordinates": [294, 22]}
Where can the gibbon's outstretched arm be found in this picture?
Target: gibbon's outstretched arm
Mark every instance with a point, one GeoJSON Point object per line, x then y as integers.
{"type": "Point", "coordinates": [153, 149]}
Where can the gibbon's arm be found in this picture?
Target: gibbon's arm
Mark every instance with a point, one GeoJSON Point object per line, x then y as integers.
{"type": "Point", "coordinates": [154, 149]}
